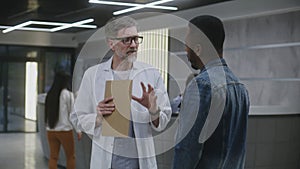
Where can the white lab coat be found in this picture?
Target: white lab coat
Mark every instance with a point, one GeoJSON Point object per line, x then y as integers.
{"type": "Point", "coordinates": [91, 92]}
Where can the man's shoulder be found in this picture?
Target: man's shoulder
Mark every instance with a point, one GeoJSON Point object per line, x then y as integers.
{"type": "Point", "coordinates": [91, 71]}
{"type": "Point", "coordinates": [202, 77]}
{"type": "Point", "coordinates": [96, 67]}
{"type": "Point", "coordinates": [141, 65]}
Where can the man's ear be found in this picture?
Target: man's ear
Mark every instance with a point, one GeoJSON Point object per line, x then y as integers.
{"type": "Point", "coordinates": [110, 44]}
{"type": "Point", "coordinates": [198, 49]}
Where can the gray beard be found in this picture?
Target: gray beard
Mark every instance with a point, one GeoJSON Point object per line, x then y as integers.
{"type": "Point", "coordinates": [131, 58]}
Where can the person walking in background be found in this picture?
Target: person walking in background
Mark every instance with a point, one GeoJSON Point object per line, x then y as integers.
{"type": "Point", "coordinates": [215, 101]}
{"type": "Point", "coordinates": [58, 105]}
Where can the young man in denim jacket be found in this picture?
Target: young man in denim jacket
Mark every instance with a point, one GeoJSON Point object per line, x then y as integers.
{"type": "Point", "coordinates": [213, 117]}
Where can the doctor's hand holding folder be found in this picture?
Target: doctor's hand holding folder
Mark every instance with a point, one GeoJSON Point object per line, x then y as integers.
{"type": "Point", "coordinates": [115, 108]}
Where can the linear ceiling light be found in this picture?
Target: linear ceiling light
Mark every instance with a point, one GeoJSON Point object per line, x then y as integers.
{"type": "Point", "coordinates": [79, 24]}
{"type": "Point", "coordinates": [61, 24]}
{"type": "Point", "coordinates": [17, 27]}
{"type": "Point", "coordinates": [28, 29]}
{"type": "Point", "coordinates": [135, 6]}
{"type": "Point", "coordinates": [149, 5]}
{"type": "Point", "coordinates": [72, 25]}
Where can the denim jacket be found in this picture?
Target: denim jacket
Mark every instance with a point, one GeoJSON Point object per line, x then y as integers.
{"type": "Point", "coordinates": [213, 121]}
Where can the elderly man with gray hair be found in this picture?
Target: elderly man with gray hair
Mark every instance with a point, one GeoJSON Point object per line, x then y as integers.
{"type": "Point", "coordinates": [148, 110]}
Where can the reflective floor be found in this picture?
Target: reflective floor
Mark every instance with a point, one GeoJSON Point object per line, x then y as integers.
{"type": "Point", "coordinates": [21, 151]}
{"type": "Point", "coordinates": [17, 123]}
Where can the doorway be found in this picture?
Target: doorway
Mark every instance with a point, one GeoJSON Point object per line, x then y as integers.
{"type": "Point", "coordinates": [18, 91]}
{"type": "Point", "coordinates": [26, 72]}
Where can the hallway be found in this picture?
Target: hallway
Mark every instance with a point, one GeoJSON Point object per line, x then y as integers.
{"type": "Point", "coordinates": [21, 151]}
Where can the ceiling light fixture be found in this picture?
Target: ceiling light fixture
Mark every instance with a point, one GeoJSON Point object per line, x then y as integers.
{"type": "Point", "coordinates": [79, 24]}
{"type": "Point", "coordinates": [72, 25]}
{"type": "Point", "coordinates": [28, 29]}
{"type": "Point", "coordinates": [17, 27]}
{"type": "Point", "coordinates": [61, 24]}
{"type": "Point", "coordinates": [135, 6]}
{"type": "Point", "coordinates": [149, 5]}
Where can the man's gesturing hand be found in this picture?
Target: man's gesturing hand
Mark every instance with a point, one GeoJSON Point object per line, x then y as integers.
{"type": "Point", "coordinates": [148, 98]}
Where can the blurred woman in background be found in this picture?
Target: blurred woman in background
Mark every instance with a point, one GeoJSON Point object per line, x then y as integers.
{"type": "Point", "coordinates": [59, 101]}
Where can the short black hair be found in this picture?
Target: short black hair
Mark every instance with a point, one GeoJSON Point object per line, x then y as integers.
{"type": "Point", "coordinates": [213, 28]}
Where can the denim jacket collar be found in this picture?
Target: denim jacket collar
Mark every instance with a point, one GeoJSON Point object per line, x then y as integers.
{"type": "Point", "coordinates": [213, 63]}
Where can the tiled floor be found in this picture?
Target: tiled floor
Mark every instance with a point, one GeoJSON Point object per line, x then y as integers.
{"type": "Point", "coordinates": [21, 151]}
{"type": "Point", "coordinates": [17, 123]}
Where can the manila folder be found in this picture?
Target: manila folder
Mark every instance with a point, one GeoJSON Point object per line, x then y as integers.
{"type": "Point", "coordinates": [117, 124]}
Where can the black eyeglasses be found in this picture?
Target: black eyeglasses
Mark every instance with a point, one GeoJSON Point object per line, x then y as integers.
{"type": "Point", "coordinates": [128, 40]}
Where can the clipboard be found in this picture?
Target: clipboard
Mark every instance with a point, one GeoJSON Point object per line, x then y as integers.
{"type": "Point", "coordinates": [117, 124]}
